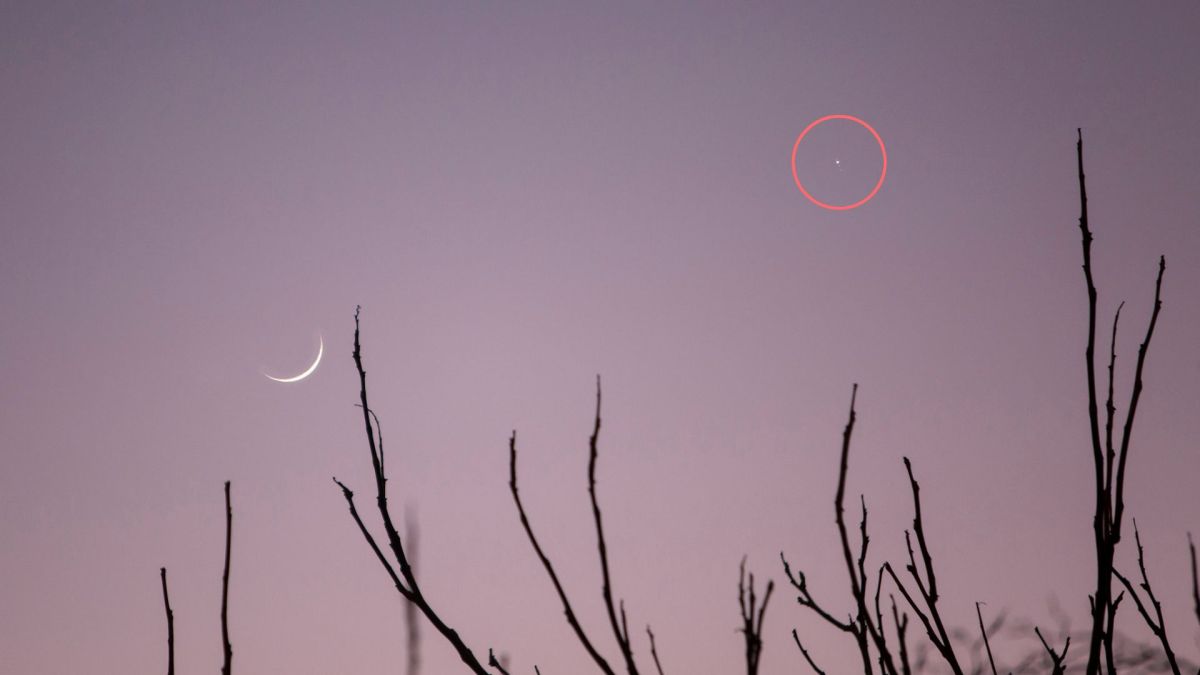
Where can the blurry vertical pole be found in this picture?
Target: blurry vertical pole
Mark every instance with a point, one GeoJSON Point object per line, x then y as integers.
{"type": "Point", "coordinates": [227, 667]}
{"type": "Point", "coordinates": [411, 618]}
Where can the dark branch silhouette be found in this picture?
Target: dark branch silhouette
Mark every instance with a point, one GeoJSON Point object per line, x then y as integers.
{"type": "Point", "coordinates": [1057, 659]}
{"type": "Point", "coordinates": [752, 620]}
{"type": "Point", "coordinates": [1156, 623]}
{"type": "Point", "coordinates": [1109, 481]}
{"type": "Point", "coordinates": [162, 571]}
{"type": "Point", "coordinates": [616, 615]}
{"type": "Point", "coordinates": [405, 582]}
{"type": "Point", "coordinates": [866, 631]}
{"type": "Point", "coordinates": [930, 617]}
{"type": "Point", "coordinates": [987, 645]}
{"type": "Point", "coordinates": [654, 651]}
{"type": "Point", "coordinates": [227, 666]}
{"type": "Point", "coordinates": [412, 621]}
{"type": "Point", "coordinates": [1195, 578]}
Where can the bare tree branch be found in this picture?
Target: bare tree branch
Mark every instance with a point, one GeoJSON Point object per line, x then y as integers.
{"type": "Point", "coordinates": [654, 651]}
{"type": "Point", "coordinates": [987, 645]}
{"type": "Point", "coordinates": [162, 571]}
{"type": "Point", "coordinates": [621, 634]}
{"type": "Point", "coordinates": [752, 622]}
{"type": "Point", "coordinates": [227, 667]}
{"type": "Point", "coordinates": [1156, 623]}
{"type": "Point", "coordinates": [1057, 660]}
{"type": "Point", "coordinates": [405, 581]}
{"type": "Point", "coordinates": [572, 619]}
{"type": "Point", "coordinates": [412, 621]}
{"type": "Point", "coordinates": [807, 656]}
{"type": "Point", "coordinates": [1195, 577]}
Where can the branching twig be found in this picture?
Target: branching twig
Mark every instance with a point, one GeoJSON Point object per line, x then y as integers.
{"type": "Point", "coordinates": [405, 581]}
{"type": "Point", "coordinates": [1056, 659]}
{"type": "Point", "coordinates": [1156, 623]}
{"type": "Point", "coordinates": [752, 622]}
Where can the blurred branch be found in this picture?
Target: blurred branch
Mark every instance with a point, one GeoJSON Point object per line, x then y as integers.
{"type": "Point", "coordinates": [752, 623]}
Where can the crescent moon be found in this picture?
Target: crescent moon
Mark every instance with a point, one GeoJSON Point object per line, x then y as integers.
{"type": "Point", "coordinates": [313, 367]}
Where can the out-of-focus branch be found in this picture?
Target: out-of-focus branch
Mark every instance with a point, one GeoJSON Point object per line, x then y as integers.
{"type": "Point", "coordinates": [1195, 577]}
{"type": "Point", "coordinates": [752, 621]}
{"type": "Point", "coordinates": [412, 621]}
{"type": "Point", "coordinates": [1057, 660]}
{"type": "Point", "coordinates": [1156, 623]}
{"type": "Point", "coordinates": [227, 666]}
{"type": "Point", "coordinates": [162, 571]}
{"type": "Point", "coordinates": [986, 644]}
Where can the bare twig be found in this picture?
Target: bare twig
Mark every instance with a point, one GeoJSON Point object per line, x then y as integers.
{"type": "Point", "coordinates": [1156, 623]}
{"type": "Point", "coordinates": [1195, 578]}
{"type": "Point", "coordinates": [1109, 480]}
{"type": "Point", "coordinates": [654, 651]}
{"type": "Point", "coordinates": [807, 657]}
{"type": "Point", "coordinates": [931, 617]}
{"type": "Point", "coordinates": [405, 581]}
{"type": "Point", "coordinates": [752, 622]}
{"type": "Point", "coordinates": [227, 667]}
{"type": "Point", "coordinates": [620, 631]}
{"type": "Point", "coordinates": [860, 625]}
{"type": "Point", "coordinates": [1057, 660]}
{"type": "Point", "coordinates": [495, 663]}
{"type": "Point", "coordinates": [572, 619]}
{"type": "Point", "coordinates": [986, 644]}
{"type": "Point", "coordinates": [162, 571]}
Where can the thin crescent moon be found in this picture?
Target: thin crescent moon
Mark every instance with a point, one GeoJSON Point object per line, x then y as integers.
{"type": "Point", "coordinates": [301, 376]}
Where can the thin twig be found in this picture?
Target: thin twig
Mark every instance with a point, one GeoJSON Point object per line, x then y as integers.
{"type": "Point", "coordinates": [987, 645]}
{"type": "Point", "coordinates": [170, 623]}
{"type": "Point", "coordinates": [1056, 659]}
{"type": "Point", "coordinates": [752, 621]}
{"type": "Point", "coordinates": [227, 666]}
{"type": "Point", "coordinates": [1156, 623]}
{"type": "Point", "coordinates": [807, 657]}
{"type": "Point", "coordinates": [572, 620]}
{"type": "Point", "coordinates": [654, 651]}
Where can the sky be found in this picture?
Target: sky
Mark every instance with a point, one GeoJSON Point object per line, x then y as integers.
{"type": "Point", "coordinates": [522, 196]}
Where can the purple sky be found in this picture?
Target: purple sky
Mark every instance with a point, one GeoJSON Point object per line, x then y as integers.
{"type": "Point", "coordinates": [521, 198]}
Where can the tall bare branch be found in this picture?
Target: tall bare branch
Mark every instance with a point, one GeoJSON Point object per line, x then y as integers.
{"type": "Point", "coordinates": [227, 666]}
{"type": "Point", "coordinates": [1156, 623]}
{"type": "Point", "coordinates": [162, 571]}
{"type": "Point", "coordinates": [752, 617]}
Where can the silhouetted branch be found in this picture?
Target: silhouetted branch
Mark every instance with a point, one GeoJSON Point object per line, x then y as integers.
{"type": "Point", "coordinates": [162, 571]}
{"type": "Point", "coordinates": [752, 623]}
{"type": "Point", "coordinates": [620, 631]}
{"type": "Point", "coordinates": [901, 621]}
{"type": "Point", "coordinates": [807, 657]}
{"type": "Point", "coordinates": [1156, 623]}
{"type": "Point", "coordinates": [1109, 483]}
{"type": "Point", "coordinates": [654, 651]}
{"type": "Point", "coordinates": [987, 645]}
{"type": "Point", "coordinates": [572, 620]}
{"type": "Point", "coordinates": [227, 667]}
{"type": "Point", "coordinates": [405, 581]}
{"type": "Point", "coordinates": [860, 625]}
{"type": "Point", "coordinates": [1195, 577]}
{"type": "Point", "coordinates": [930, 617]}
{"type": "Point", "coordinates": [496, 664]}
{"type": "Point", "coordinates": [1056, 659]}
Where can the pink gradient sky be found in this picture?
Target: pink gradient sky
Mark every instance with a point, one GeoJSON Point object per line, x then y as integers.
{"type": "Point", "coordinates": [522, 197]}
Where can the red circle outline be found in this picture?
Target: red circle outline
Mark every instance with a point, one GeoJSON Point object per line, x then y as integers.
{"type": "Point", "coordinates": [882, 173]}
